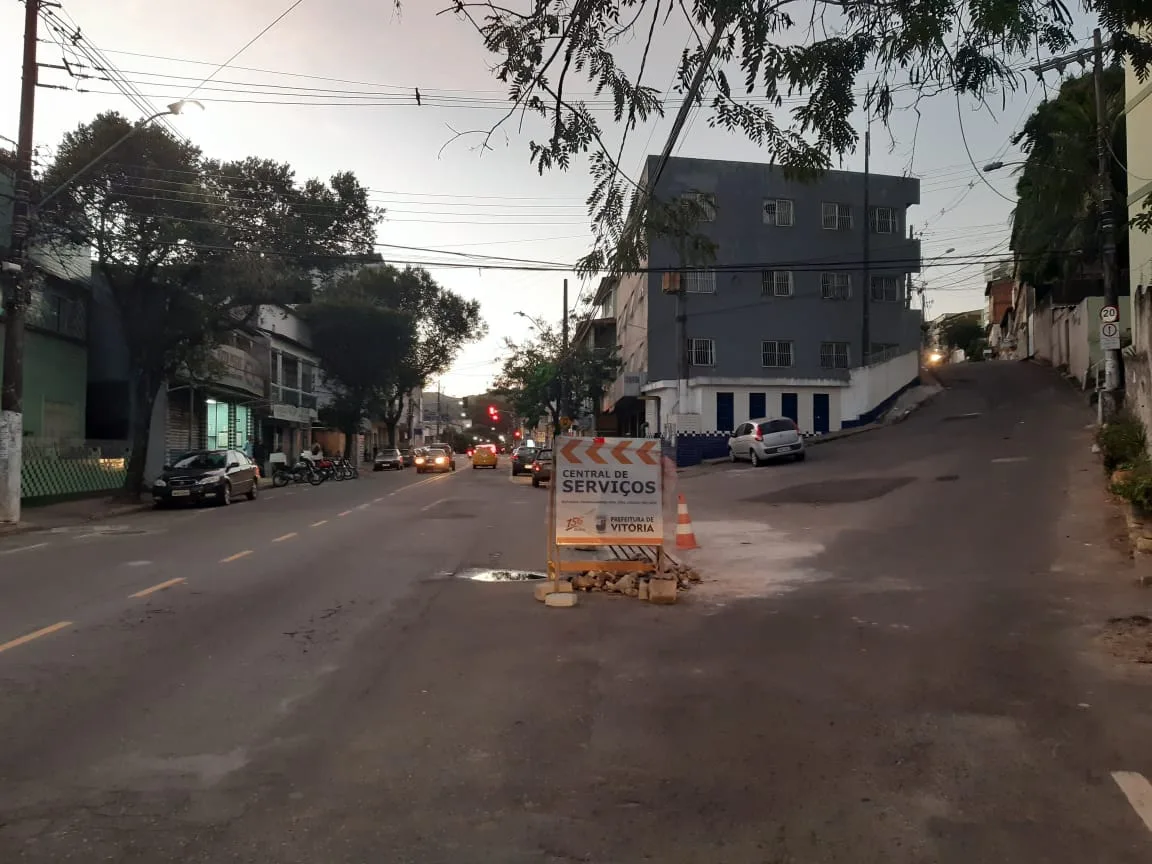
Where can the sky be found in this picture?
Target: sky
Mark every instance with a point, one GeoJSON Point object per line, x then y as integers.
{"type": "Point", "coordinates": [337, 92]}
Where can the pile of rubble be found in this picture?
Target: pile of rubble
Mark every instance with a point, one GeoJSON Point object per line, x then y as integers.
{"type": "Point", "coordinates": [659, 588]}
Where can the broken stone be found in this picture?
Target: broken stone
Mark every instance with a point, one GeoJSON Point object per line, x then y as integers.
{"type": "Point", "coordinates": [693, 575]}
{"type": "Point", "coordinates": [662, 591]}
{"type": "Point", "coordinates": [584, 581]}
{"type": "Point", "coordinates": [625, 583]}
{"type": "Point", "coordinates": [642, 589]}
{"type": "Point", "coordinates": [1143, 545]}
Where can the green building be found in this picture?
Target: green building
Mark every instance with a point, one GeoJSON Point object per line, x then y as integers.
{"type": "Point", "coordinates": [58, 460]}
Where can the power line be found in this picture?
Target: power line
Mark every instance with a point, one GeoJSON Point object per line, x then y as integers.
{"type": "Point", "coordinates": [246, 46]}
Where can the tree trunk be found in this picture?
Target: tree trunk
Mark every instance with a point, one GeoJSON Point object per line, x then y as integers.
{"type": "Point", "coordinates": [145, 389]}
{"type": "Point", "coordinates": [391, 424]}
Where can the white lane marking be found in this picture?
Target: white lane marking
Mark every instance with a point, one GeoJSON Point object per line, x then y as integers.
{"type": "Point", "coordinates": [137, 563]}
{"type": "Point", "coordinates": [433, 504]}
{"type": "Point", "coordinates": [1138, 791]}
{"type": "Point", "coordinates": [1003, 460]}
{"type": "Point", "coordinates": [161, 587]}
{"type": "Point", "coordinates": [23, 549]}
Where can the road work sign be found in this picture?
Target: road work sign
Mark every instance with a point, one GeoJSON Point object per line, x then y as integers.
{"type": "Point", "coordinates": [608, 491]}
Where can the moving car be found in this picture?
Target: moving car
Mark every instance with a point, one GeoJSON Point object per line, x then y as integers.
{"type": "Point", "coordinates": [542, 468]}
{"type": "Point", "coordinates": [388, 458]}
{"type": "Point", "coordinates": [766, 439]}
{"type": "Point", "coordinates": [409, 458]}
{"type": "Point", "coordinates": [207, 475]}
{"type": "Point", "coordinates": [435, 459]}
{"type": "Point", "coordinates": [522, 460]}
{"type": "Point", "coordinates": [484, 456]}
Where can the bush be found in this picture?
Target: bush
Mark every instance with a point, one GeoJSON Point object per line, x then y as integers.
{"type": "Point", "coordinates": [1122, 441]}
{"type": "Point", "coordinates": [1134, 484]}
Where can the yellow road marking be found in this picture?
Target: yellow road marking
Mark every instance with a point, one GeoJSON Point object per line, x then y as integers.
{"type": "Point", "coordinates": [43, 631]}
{"type": "Point", "coordinates": [345, 513]}
{"type": "Point", "coordinates": [156, 588]}
{"type": "Point", "coordinates": [318, 524]}
{"type": "Point", "coordinates": [421, 483]}
{"type": "Point", "coordinates": [236, 557]}
{"type": "Point", "coordinates": [284, 537]}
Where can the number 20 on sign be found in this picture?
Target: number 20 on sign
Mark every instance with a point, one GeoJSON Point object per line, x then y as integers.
{"type": "Point", "coordinates": [607, 491]}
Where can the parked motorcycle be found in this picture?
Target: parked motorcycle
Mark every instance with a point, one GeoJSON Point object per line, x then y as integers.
{"type": "Point", "coordinates": [301, 472]}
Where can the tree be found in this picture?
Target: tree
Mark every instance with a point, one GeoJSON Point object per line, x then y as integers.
{"type": "Point", "coordinates": [184, 262]}
{"type": "Point", "coordinates": [533, 371]}
{"type": "Point", "coordinates": [811, 54]}
{"type": "Point", "coordinates": [964, 333]}
{"type": "Point", "coordinates": [361, 344]}
{"type": "Point", "coordinates": [442, 321]}
{"type": "Point", "coordinates": [1056, 223]}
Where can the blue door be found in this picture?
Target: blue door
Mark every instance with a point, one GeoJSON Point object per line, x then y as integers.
{"type": "Point", "coordinates": [790, 406]}
{"type": "Point", "coordinates": [756, 406]}
{"type": "Point", "coordinates": [820, 412]}
{"type": "Point", "coordinates": [725, 412]}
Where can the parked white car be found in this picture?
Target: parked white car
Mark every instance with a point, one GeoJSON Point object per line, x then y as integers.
{"type": "Point", "coordinates": [763, 440]}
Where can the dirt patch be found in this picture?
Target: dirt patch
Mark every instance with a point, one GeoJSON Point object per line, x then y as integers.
{"type": "Point", "coordinates": [1129, 638]}
{"type": "Point", "coordinates": [834, 491]}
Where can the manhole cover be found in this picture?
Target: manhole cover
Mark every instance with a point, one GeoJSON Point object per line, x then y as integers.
{"type": "Point", "coordinates": [835, 491]}
{"type": "Point", "coordinates": [485, 575]}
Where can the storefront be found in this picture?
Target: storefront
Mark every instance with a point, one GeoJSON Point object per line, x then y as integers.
{"type": "Point", "coordinates": [287, 429]}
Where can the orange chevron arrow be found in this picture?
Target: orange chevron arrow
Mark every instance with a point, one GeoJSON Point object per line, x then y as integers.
{"type": "Point", "coordinates": [645, 453]}
{"type": "Point", "coordinates": [594, 454]}
{"type": "Point", "coordinates": [569, 451]}
{"type": "Point", "coordinates": [620, 452]}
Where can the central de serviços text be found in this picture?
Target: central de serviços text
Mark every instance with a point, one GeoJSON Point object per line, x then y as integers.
{"type": "Point", "coordinates": [580, 481]}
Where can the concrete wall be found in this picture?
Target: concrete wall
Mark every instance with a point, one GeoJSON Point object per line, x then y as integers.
{"type": "Point", "coordinates": [738, 315]}
{"type": "Point", "coordinates": [1138, 108]}
{"type": "Point", "coordinates": [873, 385]}
{"type": "Point", "coordinates": [1070, 335]}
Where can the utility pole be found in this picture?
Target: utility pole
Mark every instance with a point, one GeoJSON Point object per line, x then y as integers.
{"type": "Point", "coordinates": [1112, 397]}
{"type": "Point", "coordinates": [439, 389]}
{"type": "Point", "coordinates": [15, 275]}
{"type": "Point", "coordinates": [564, 360]}
{"type": "Point", "coordinates": [866, 288]}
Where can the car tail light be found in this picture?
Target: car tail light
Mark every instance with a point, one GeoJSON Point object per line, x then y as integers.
{"type": "Point", "coordinates": [535, 467]}
{"type": "Point", "coordinates": [759, 434]}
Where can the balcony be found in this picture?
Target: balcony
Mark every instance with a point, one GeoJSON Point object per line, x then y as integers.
{"type": "Point", "coordinates": [240, 370]}
{"type": "Point", "coordinates": [626, 386]}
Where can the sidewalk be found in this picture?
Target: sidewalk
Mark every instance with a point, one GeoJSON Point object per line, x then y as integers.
{"type": "Point", "coordinates": [77, 512]}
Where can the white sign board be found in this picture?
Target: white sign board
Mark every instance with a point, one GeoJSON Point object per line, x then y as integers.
{"type": "Point", "coordinates": [1109, 314]}
{"type": "Point", "coordinates": [607, 491]}
{"type": "Point", "coordinates": [1109, 336]}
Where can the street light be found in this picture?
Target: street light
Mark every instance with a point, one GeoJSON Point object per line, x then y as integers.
{"type": "Point", "coordinates": [173, 109]}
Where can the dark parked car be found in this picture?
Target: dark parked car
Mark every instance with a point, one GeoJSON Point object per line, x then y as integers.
{"type": "Point", "coordinates": [408, 457]}
{"type": "Point", "coordinates": [542, 467]}
{"type": "Point", "coordinates": [207, 475]}
{"type": "Point", "coordinates": [522, 460]}
{"type": "Point", "coordinates": [388, 458]}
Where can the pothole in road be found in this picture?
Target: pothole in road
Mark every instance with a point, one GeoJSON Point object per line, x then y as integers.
{"type": "Point", "coordinates": [477, 574]}
{"type": "Point", "coordinates": [1129, 638]}
{"type": "Point", "coordinates": [835, 491]}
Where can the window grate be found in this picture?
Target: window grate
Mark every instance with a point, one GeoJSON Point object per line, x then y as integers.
{"type": "Point", "coordinates": [699, 281]}
{"type": "Point", "coordinates": [702, 352]}
{"type": "Point", "coordinates": [836, 286]}
{"type": "Point", "coordinates": [776, 283]}
{"type": "Point", "coordinates": [887, 289]}
{"type": "Point", "coordinates": [833, 355]}
{"type": "Point", "coordinates": [702, 205]}
{"type": "Point", "coordinates": [836, 217]}
{"type": "Point", "coordinates": [883, 221]}
{"type": "Point", "coordinates": [779, 212]}
{"type": "Point", "coordinates": [775, 353]}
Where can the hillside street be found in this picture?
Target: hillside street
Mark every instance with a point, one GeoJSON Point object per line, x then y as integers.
{"type": "Point", "coordinates": [898, 656]}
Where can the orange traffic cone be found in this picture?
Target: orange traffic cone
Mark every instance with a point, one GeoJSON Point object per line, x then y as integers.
{"type": "Point", "coordinates": [685, 536]}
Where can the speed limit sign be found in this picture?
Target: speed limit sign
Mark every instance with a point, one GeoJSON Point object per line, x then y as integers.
{"type": "Point", "coordinates": [1109, 314]}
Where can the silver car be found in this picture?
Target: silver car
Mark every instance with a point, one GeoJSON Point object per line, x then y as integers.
{"type": "Point", "coordinates": [763, 440]}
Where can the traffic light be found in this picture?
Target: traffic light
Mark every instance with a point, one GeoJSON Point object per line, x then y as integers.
{"type": "Point", "coordinates": [491, 410]}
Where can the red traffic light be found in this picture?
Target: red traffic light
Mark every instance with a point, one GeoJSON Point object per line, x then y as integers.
{"type": "Point", "coordinates": [491, 409]}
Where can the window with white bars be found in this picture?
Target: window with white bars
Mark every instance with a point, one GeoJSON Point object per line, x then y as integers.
{"type": "Point", "coordinates": [778, 212]}
{"type": "Point", "coordinates": [884, 221]}
{"type": "Point", "coordinates": [836, 217]}
{"type": "Point", "coordinates": [836, 286]}
{"type": "Point", "coordinates": [702, 352]}
{"type": "Point", "coordinates": [887, 289]}
{"type": "Point", "coordinates": [699, 281]}
{"type": "Point", "coordinates": [703, 205]}
{"type": "Point", "coordinates": [776, 283]}
{"type": "Point", "coordinates": [833, 355]}
{"type": "Point", "coordinates": [775, 353]}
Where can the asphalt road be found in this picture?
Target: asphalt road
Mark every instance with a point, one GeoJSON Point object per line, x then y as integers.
{"type": "Point", "coordinates": [900, 656]}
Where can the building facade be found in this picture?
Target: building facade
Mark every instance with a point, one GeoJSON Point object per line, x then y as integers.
{"type": "Point", "coordinates": [775, 321]}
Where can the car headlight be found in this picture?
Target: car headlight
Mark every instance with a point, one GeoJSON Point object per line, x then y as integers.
{"type": "Point", "coordinates": [209, 481]}
{"type": "Point", "coordinates": [440, 460]}
{"type": "Point", "coordinates": [160, 482]}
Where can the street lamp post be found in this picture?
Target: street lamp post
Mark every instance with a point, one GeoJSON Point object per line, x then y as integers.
{"type": "Point", "coordinates": [16, 270]}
